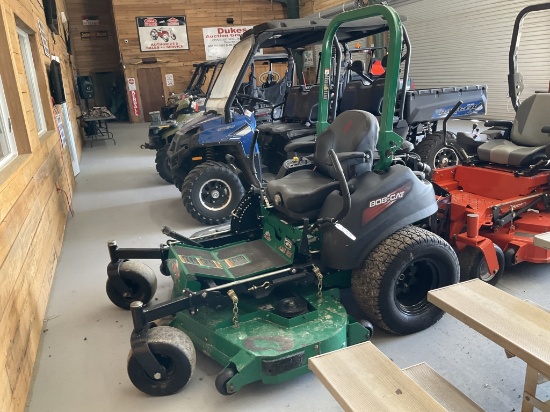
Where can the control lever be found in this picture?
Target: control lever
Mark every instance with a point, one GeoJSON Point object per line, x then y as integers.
{"type": "Point", "coordinates": [175, 235]}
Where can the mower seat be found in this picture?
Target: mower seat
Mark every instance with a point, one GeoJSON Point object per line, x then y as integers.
{"type": "Point", "coordinates": [301, 194]}
{"type": "Point", "coordinates": [527, 142]}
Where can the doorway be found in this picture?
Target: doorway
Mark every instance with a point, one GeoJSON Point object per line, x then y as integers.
{"type": "Point", "coordinates": [151, 90]}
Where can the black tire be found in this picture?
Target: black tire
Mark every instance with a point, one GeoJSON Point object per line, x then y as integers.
{"type": "Point", "coordinates": [173, 350]}
{"type": "Point", "coordinates": [388, 288]}
{"type": "Point", "coordinates": [433, 152]}
{"type": "Point", "coordinates": [473, 265]}
{"type": "Point", "coordinates": [211, 191]}
{"type": "Point", "coordinates": [221, 380]}
{"type": "Point", "coordinates": [141, 280]}
{"type": "Point", "coordinates": [163, 167]}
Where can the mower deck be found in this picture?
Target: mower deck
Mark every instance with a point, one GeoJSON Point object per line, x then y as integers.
{"type": "Point", "coordinates": [266, 345]}
{"type": "Point", "coordinates": [511, 209]}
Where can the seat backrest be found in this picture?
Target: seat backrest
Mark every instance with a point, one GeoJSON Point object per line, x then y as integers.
{"type": "Point", "coordinates": [299, 102]}
{"type": "Point", "coordinates": [533, 113]}
{"type": "Point", "coordinates": [351, 131]}
{"type": "Point", "coordinates": [359, 96]}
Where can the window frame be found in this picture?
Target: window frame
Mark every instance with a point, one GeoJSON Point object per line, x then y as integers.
{"type": "Point", "coordinates": [32, 80]}
{"type": "Point", "coordinates": [7, 129]}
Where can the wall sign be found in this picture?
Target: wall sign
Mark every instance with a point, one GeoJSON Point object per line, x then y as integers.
{"type": "Point", "coordinates": [44, 38]}
{"type": "Point", "coordinates": [162, 33]}
{"type": "Point", "coordinates": [308, 58]}
{"type": "Point", "coordinates": [218, 41]}
{"type": "Point", "coordinates": [61, 130]}
{"type": "Point", "coordinates": [90, 20]}
{"type": "Point", "coordinates": [135, 102]}
{"type": "Point", "coordinates": [169, 80]}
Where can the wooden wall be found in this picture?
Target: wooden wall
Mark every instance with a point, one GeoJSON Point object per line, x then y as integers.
{"type": "Point", "coordinates": [199, 14]}
{"type": "Point", "coordinates": [96, 54]}
{"type": "Point", "coordinates": [33, 207]}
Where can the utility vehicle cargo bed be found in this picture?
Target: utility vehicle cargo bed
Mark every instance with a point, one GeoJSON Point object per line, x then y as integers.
{"type": "Point", "coordinates": [425, 105]}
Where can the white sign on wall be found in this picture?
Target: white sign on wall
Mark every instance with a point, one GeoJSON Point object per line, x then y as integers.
{"type": "Point", "coordinates": [162, 33]}
{"type": "Point", "coordinates": [308, 58]}
{"type": "Point", "coordinates": [218, 41]}
{"type": "Point", "coordinates": [169, 80]}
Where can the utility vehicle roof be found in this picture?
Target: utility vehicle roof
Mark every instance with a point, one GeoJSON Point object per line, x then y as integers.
{"type": "Point", "coordinates": [293, 33]}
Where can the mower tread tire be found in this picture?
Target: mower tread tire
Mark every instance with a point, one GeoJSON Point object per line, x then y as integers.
{"type": "Point", "coordinates": [374, 283]}
{"type": "Point", "coordinates": [140, 278]}
{"type": "Point", "coordinates": [161, 162]}
{"type": "Point", "coordinates": [430, 145]}
{"type": "Point", "coordinates": [472, 261]}
{"type": "Point", "coordinates": [173, 350]}
{"type": "Point", "coordinates": [193, 183]}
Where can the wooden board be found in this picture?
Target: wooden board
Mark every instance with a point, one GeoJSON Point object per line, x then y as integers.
{"type": "Point", "coordinates": [519, 327]}
{"type": "Point", "coordinates": [441, 389]}
{"type": "Point", "coordinates": [32, 211]}
{"type": "Point", "coordinates": [361, 378]}
{"type": "Point", "coordinates": [150, 90]}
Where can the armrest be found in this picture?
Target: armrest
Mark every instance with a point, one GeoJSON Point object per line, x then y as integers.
{"type": "Point", "coordinates": [343, 156]}
{"type": "Point", "coordinates": [298, 146]}
{"type": "Point", "coordinates": [499, 123]}
{"type": "Point", "coordinates": [545, 129]}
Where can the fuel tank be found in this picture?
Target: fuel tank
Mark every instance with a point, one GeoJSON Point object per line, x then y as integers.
{"type": "Point", "coordinates": [381, 204]}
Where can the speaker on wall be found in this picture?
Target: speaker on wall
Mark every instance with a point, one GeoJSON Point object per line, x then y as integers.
{"type": "Point", "coordinates": [56, 83]}
{"type": "Point", "coordinates": [85, 87]}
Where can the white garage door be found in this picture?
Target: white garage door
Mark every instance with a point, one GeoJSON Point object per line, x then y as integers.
{"type": "Point", "coordinates": [456, 43]}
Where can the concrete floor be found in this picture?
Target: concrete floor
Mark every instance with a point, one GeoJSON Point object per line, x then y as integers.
{"type": "Point", "coordinates": [81, 365]}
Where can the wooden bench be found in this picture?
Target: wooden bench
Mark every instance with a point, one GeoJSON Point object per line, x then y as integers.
{"type": "Point", "coordinates": [521, 328]}
{"type": "Point", "coordinates": [362, 378]}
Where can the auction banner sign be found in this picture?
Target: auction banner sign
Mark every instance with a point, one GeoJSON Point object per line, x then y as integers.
{"type": "Point", "coordinates": [218, 41]}
{"type": "Point", "coordinates": [162, 33]}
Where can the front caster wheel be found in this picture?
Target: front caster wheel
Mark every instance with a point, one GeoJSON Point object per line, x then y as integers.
{"type": "Point", "coordinates": [392, 284]}
{"type": "Point", "coordinates": [221, 381]}
{"type": "Point", "coordinates": [473, 265]}
{"type": "Point", "coordinates": [139, 278]}
{"type": "Point", "coordinates": [175, 352]}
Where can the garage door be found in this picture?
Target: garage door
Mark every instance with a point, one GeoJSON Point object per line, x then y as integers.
{"type": "Point", "coordinates": [457, 43]}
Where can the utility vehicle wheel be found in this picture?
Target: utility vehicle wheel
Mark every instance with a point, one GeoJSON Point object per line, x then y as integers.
{"type": "Point", "coordinates": [221, 380]}
{"type": "Point", "coordinates": [392, 284]}
{"type": "Point", "coordinates": [434, 153]}
{"type": "Point", "coordinates": [161, 161]}
{"type": "Point", "coordinates": [211, 191]}
{"type": "Point", "coordinates": [173, 350]}
{"type": "Point", "coordinates": [139, 278]}
{"type": "Point", "coordinates": [473, 265]}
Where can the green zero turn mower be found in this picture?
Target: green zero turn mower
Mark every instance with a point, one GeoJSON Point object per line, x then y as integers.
{"type": "Point", "coordinates": [263, 295]}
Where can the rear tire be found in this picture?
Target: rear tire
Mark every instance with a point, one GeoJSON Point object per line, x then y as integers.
{"type": "Point", "coordinates": [434, 153]}
{"type": "Point", "coordinates": [392, 284]}
{"type": "Point", "coordinates": [173, 350]}
{"type": "Point", "coordinates": [211, 191]}
{"type": "Point", "coordinates": [163, 167]}
{"type": "Point", "coordinates": [474, 266]}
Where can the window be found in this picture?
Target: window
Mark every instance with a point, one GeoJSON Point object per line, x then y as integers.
{"type": "Point", "coordinates": [30, 71]}
{"type": "Point", "coordinates": [8, 150]}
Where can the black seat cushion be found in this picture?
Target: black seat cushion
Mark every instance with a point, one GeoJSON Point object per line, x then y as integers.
{"type": "Point", "coordinates": [302, 193]}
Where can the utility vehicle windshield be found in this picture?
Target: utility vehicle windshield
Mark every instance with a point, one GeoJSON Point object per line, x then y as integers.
{"type": "Point", "coordinates": [228, 75]}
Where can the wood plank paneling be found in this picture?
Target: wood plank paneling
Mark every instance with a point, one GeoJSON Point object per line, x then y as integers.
{"type": "Point", "coordinates": [199, 14]}
{"type": "Point", "coordinates": [32, 210]}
